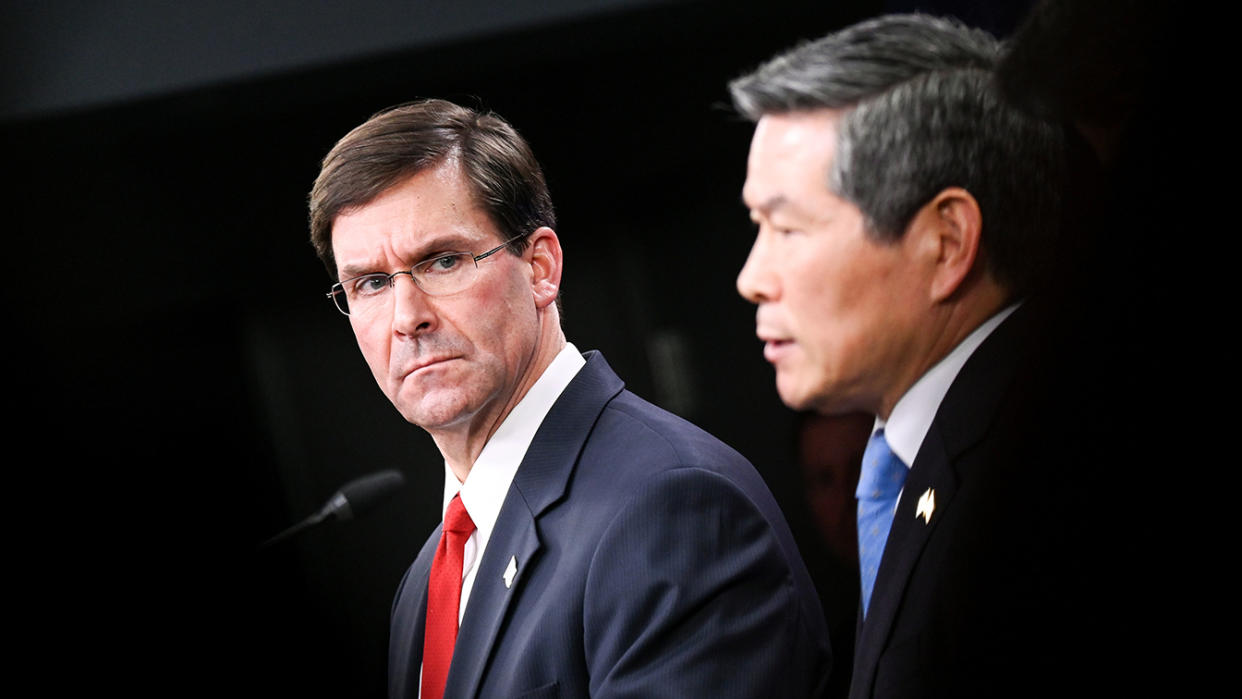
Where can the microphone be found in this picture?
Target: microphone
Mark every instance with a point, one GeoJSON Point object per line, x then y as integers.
{"type": "Point", "coordinates": [354, 499]}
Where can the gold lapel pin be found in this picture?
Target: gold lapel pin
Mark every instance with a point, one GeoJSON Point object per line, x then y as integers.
{"type": "Point", "coordinates": [926, 505]}
{"type": "Point", "coordinates": [510, 571]}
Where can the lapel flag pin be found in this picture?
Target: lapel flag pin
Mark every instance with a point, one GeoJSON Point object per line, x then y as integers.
{"type": "Point", "coordinates": [926, 505]}
{"type": "Point", "coordinates": [510, 571]}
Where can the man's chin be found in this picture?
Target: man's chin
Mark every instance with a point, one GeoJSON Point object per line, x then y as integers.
{"type": "Point", "coordinates": [801, 397]}
{"type": "Point", "coordinates": [432, 412]}
{"type": "Point", "coordinates": [794, 396]}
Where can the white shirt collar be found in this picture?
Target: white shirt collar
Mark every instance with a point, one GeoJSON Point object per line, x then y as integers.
{"type": "Point", "coordinates": [488, 482]}
{"type": "Point", "coordinates": [912, 416]}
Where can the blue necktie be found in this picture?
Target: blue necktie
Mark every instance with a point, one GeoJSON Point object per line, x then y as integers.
{"type": "Point", "coordinates": [879, 484]}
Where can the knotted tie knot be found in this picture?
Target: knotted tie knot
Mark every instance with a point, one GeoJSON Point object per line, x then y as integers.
{"type": "Point", "coordinates": [457, 520]}
{"type": "Point", "coordinates": [883, 472]}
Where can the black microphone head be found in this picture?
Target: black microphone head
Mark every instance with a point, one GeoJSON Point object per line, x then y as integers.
{"type": "Point", "coordinates": [354, 499]}
{"type": "Point", "coordinates": [360, 495]}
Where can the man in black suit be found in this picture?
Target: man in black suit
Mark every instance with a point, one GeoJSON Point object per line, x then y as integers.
{"type": "Point", "coordinates": [593, 544]}
{"type": "Point", "coordinates": [905, 216]}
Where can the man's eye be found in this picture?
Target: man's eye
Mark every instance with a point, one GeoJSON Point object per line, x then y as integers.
{"type": "Point", "coordinates": [443, 264]}
{"type": "Point", "coordinates": [370, 285]}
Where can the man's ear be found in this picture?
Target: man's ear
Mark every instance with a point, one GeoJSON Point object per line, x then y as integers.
{"type": "Point", "coordinates": [951, 227]}
{"type": "Point", "coordinates": [546, 265]}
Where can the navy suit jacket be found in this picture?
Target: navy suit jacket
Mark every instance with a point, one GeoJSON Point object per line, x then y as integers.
{"type": "Point", "coordinates": [1002, 590]}
{"type": "Point", "coordinates": [652, 561]}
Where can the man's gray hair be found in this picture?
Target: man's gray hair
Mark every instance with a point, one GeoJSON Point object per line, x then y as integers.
{"type": "Point", "coordinates": [920, 113]}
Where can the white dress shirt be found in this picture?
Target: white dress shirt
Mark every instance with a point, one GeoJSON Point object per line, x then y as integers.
{"type": "Point", "coordinates": [912, 416]}
{"type": "Point", "coordinates": [487, 484]}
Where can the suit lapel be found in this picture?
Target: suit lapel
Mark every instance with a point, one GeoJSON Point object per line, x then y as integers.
{"type": "Point", "coordinates": [420, 577]}
{"type": "Point", "coordinates": [964, 417]}
{"type": "Point", "coordinates": [909, 534]}
{"type": "Point", "coordinates": [515, 538]}
{"type": "Point", "coordinates": [540, 482]}
{"type": "Point", "coordinates": [409, 621]}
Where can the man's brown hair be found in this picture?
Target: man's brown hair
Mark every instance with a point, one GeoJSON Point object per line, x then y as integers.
{"type": "Point", "coordinates": [399, 142]}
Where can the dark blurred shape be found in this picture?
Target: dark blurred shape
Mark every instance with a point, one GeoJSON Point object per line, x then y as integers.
{"type": "Point", "coordinates": [1089, 64]}
{"type": "Point", "coordinates": [830, 450]}
{"type": "Point", "coordinates": [1132, 305]}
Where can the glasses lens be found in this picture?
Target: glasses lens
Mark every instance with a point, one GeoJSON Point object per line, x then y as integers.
{"type": "Point", "coordinates": [446, 274]}
{"type": "Point", "coordinates": [363, 295]}
{"type": "Point", "coordinates": [339, 299]}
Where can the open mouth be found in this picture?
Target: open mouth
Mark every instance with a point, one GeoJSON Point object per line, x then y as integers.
{"type": "Point", "coordinates": [773, 350]}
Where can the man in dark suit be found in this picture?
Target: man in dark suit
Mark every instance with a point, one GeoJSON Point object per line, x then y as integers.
{"type": "Point", "coordinates": [593, 544]}
{"type": "Point", "coordinates": [905, 214]}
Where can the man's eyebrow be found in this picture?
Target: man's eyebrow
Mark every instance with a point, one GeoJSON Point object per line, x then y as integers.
{"type": "Point", "coordinates": [772, 203]}
{"type": "Point", "coordinates": [445, 243]}
{"type": "Point", "coordinates": [354, 270]}
{"type": "Point", "coordinates": [768, 206]}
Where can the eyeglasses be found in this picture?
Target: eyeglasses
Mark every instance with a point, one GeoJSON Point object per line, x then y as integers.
{"type": "Point", "coordinates": [436, 276]}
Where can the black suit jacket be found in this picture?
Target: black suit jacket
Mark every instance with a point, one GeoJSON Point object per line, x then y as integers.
{"type": "Point", "coordinates": [1003, 591]}
{"type": "Point", "coordinates": [651, 561]}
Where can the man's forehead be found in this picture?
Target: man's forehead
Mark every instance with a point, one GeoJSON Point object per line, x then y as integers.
{"type": "Point", "coordinates": [795, 131]}
{"type": "Point", "coordinates": [445, 178]}
{"type": "Point", "coordinates": [789, 151]}
{"type": "Point", "coordinates": [432, 211]}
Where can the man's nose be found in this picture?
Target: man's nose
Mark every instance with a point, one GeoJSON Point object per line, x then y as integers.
{"type": "Point", "coordinates": [757, 281]}
{"type": "Point", "coordinates": [413, 311]}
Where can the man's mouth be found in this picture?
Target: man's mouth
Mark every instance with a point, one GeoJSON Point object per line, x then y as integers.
{"type": "Point", "coordinates": [774, 348]}
{"type": "Point", "coordinates": [428, 363]}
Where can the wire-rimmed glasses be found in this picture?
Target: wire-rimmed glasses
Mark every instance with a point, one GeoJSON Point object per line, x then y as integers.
{"type": "Point", "coordinates": [444, 274]}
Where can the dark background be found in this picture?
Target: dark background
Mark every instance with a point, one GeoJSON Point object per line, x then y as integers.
{"type": "Point", "coordinates": [183, 390]}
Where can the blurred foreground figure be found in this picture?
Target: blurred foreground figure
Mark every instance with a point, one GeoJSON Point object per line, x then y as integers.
{"type": "Point", "coordinates": [1141, 297]}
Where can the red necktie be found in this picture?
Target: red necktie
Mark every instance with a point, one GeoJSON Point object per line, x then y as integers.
{"type": "Point", "coordinates": [443, 598]}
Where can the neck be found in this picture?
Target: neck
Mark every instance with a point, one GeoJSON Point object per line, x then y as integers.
{"type": "Point", "coordinates": [461, 445]}
{"type": "Point", "coordinates": [947, 327]}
